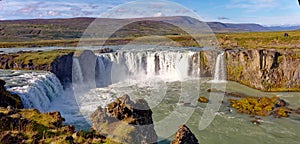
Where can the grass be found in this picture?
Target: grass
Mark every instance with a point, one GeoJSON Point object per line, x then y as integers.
{"type": "Point", "coordinates": [251, 40]}
{"type": "Point", "coordinates": [40, 58]}
{"type": "Point", "coordinates": [247, 40]}
{"type": "Point", "coordinates": [67, 32]}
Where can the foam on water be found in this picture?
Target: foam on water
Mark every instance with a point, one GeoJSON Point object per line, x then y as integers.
{"type": "Point", "coordinates": [36, 89]}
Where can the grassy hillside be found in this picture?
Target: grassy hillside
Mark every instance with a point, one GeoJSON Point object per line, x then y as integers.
{"type": "Point", "coordinates": [67, 32]}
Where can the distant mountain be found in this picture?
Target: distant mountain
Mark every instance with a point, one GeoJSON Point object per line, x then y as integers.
{"type": "Point", "coordinates": [229, 27]}
{"type": "Point", "coordinates": [58, 29]}
{"type": "Point", "coordinates": [283, 28]}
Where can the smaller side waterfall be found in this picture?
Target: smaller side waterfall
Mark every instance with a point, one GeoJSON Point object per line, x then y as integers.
{"type": "Point", "coordinates": [40, 91]}
{"type": "Point", "coordinates": [220, 72]}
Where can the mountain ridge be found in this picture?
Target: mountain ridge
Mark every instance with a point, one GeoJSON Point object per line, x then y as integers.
{"type": "Point", "coordinates": [72, 28]}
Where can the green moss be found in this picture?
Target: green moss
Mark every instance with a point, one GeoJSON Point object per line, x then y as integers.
{"type": "Point", "coordinates": [234, 72]}
{"type": "Point", "coordinates": [260, 106]}
{"type": "Point", "coordinates": [39, 118]}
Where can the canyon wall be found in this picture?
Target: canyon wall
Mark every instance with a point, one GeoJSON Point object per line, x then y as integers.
{"type": "Point", "coordinates": [264, 69]}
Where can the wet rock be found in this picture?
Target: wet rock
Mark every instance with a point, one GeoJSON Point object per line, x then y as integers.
{"type": "Point", "coordinates": [297, 111]}
{"type": "Point", "coordinates": [256, 121]}
{"type": "Point", "coordinates": [62, 68]}
{"type": "Point", "coordinates": [203, 100]}
{"type": "Point", "coordinates": [184, 136]}
{"type": "Point", "coordinates": [125, 121]}
{"type": "Point", "coordinates": [104, 50]}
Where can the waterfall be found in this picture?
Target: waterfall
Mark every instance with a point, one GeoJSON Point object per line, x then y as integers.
{"type": "Point", "coordinates": [40, 90]}
{"type": "Point", "coordinates": [220, 73]}
{"type": "Point", "coordinates": [76, 72]}
{"type": "Point", "coordinates": [168, 65]}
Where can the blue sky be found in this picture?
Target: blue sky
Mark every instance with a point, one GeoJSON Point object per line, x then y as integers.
{"type": "Point", "coordinates": [265, 12]}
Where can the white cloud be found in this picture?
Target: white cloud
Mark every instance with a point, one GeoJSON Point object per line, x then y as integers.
{"type": "Point", "coordinates": [159, 14]}
{"type": "Point", "coordinates": [52, 13]}
{"type": "Point", "coordinates": [18, 9]}
{"type": "Point", "coordinates": [253, 5]}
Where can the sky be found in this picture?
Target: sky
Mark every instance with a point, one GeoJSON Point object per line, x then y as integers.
{"type": "Point", "coordinates": [265, 12]}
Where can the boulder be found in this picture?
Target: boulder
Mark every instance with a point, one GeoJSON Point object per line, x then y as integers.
{"type": "Point", "coordinates": [184, 136]}
{"type": "Point", "coordinates": [125, 121]}
{"type": "Point", "coordinates": [203, 99]}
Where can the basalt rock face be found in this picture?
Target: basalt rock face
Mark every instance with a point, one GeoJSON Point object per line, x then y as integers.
{"type": "Point", "coordinates": [125, 121]}
{"type": "Point", "coordinates": [87, 60]}
{"type": "Point", "coordinates": [207, 62]}
{"type": "Point", "coordinates": [184, 136]}
{"type": "Point", "coordinates": [266, 70]}
{"type": "Point", "coordinates": [62, 68]}
{"type": "Point", "coordinates": [8, 99]}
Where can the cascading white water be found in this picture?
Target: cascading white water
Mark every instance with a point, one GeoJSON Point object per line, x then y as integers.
{"type": "Point", "coordinates": [40, 90]}
{"type": "Point", "coordinates": [76, 72]}
{"type": "Point", "coordinates": [220, 73]}
{"type": "Point", "coordinates": [121, 65]}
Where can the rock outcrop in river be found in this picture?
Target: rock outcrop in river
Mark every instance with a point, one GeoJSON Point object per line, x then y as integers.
{"type": "Point", "coordinates": [184, 136]}
{"type": "Point", "coordinates": [125, 121]}
{"type": "Point", "coordinates": [265, 69]}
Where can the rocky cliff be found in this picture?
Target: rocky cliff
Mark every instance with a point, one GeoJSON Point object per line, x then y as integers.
{"type": "Point", "coordinates": [264, 69]}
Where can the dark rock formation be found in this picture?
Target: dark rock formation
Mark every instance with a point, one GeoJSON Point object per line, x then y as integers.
{"type": "Point", "coordinates": [104, 50]}
{"type": "Point", "coordinates": [62, 68]}
{"type": "Point", "coordinates": [87, 60]}
{"type": "Point", "coordinates": [125, 121]}
{"type": "Point", "coordinates": [184, 136]}
{"type": "Point", "coordinates": [8, 99]}
{"type": "Point", "coordinates": [265, 69]}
